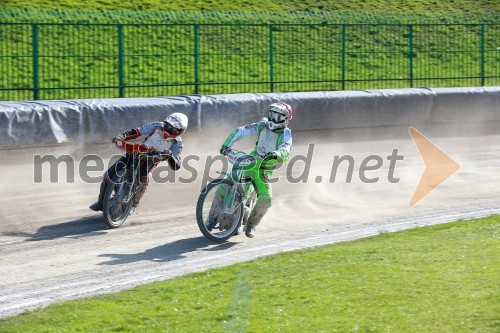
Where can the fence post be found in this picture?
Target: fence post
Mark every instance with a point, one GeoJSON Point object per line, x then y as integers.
{"type": "Point", "coordinates": [196, 61]}
{"type": "Point", "coordinates": [483, 59]}
{"type": "Point", "coordinates": [271, 58]}
{"type": "Point", "coordinates": [410, 41]}
{"type": "Point", "coordinates": [343, 55]}
{"type": "Point", "coordinates": [121, 78]}
{"type": "Point", "coordinates": [35, 59]}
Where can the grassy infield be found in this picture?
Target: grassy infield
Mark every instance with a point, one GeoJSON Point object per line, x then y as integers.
{"type": "Point", "coordinates": [434, 279]}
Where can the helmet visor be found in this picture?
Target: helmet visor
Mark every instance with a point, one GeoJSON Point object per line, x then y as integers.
{"type": "Point", "coordinates": [171, 130]}
{"type": "Point", "coordinates": [277, 117]}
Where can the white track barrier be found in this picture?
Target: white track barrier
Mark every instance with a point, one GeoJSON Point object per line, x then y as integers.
{"type": "Point", "coordinates": [94, 120]}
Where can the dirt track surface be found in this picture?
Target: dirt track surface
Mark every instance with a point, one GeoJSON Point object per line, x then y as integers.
{"type": "Point", "coordinates": [53, 248]}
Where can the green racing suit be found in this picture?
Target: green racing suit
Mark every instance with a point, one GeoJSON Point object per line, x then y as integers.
{"type": "Point", "coordinates": [268, 141]}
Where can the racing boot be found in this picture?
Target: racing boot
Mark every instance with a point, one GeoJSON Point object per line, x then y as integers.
{"type": "Point", "coordinates": [141, 189]}
{"type": "Point", "coordinates": [256, 216]}
{"type": "Point", "coordinates": [217, 217]}
{"type": "Point", "coordinates": [250, 231]}
{"type": "Point", "coordinates": [246, 214]}
{"type": "Point", "coordinates": [224, 222]}
{"type": "Point", "coordinates": [97, 206]}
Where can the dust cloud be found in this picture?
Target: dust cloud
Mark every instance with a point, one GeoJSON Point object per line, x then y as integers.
{"type": "Point", "coordinates": [319, 202]}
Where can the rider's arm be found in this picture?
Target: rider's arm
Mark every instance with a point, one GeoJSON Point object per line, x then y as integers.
{"type": "Point", "coordinates": [283, 152]}
{"type": "Point", "coordinates": [121, 141]}
{"type": "Point", "coordinates": [174, 161]}
{"type": "Point", "coordinates": [132, 134]}
{"type": "Point", "coordinates": [130, 147]}
{"type": "Point", "coordinates": [242, 132]}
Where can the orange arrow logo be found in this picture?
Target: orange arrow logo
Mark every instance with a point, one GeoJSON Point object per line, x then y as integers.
{"type": "Point", "coordinates": [438, 166]}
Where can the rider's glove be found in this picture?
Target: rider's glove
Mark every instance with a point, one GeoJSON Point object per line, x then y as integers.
{"type": "Point", "coordinates": [166, 153]}
{"type": "Point", "coordinates": [224, 150]}
{"type": "Point", "coordinates": [118, 141]}
{"type": "Point", "coordinates": [271, 156]}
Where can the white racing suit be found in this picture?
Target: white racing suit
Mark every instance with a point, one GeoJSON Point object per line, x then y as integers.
{"type": "Point", "coordinates": [154, 141]}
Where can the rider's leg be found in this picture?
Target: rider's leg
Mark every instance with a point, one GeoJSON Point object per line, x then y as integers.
{"type": "Point", "coordinates": [97, 206]}
{"type": "Point", "coordinates": [141, 189]}
{"type": "Point", "coordinates": [264, 201]}
{"type": "Point", "coordinates": [117, 168]}
{"type": "Point", "coordinates": [217, 205]}
{"type": "Point", "coordinates": [219, 196]}
{"type": "Point", "coordinates": [146, 167]}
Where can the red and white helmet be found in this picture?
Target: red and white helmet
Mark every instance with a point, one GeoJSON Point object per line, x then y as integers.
{"type": "Point", "coordinates": [174, 125]}
{"type": "Point", "coordinates": [280, 115]}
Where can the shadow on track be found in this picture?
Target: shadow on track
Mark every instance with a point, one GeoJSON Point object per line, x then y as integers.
{"type": "Point", "coordinates": [82, 227]}
{"type": "Point", "coordinates": [168, 252]}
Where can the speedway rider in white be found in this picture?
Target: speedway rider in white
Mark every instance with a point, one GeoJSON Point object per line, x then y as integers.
{"type": "Point", "coordinates": [161, 137]}
{"type": "Point", "coordinates": [274, 144]}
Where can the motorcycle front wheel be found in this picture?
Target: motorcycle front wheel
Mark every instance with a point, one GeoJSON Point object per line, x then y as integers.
{"type": "Point", "coordinates": [218, 214]}
{"type": "Point", "coordinates": [114, 210]}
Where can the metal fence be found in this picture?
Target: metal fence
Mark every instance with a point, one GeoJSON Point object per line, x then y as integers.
{"type": "Point", "coordinates": [77, 60]}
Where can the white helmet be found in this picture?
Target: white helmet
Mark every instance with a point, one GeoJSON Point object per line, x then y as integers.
{"type": "Point", "coordinates": [280, 115]}
{"type": "Point", "coordinates": [174, 125]}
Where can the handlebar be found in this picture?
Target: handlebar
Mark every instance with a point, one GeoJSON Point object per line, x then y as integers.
{"type": "Point", "coordinates": [239, 158]}
{"type": "Point", "coordinates": [236, 155]}
{"type": "Point", "coordinates": [136, 147]}
{"type": "Point", "coordinates": [159, 153]}
{"type": "Point", "coordinates": [242, 161]}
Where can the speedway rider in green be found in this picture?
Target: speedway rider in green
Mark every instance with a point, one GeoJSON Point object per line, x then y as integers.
{"type": "Point", "coordinates": [274, 141]}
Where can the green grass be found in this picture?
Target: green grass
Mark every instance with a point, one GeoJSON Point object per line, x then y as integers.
{"type": "Point", "coordinates": [78, 61]}
{"type": "Point", "coordinates": [262, 5]}
{"type": "Point", "coordinates": [434, 279]}
{"type": "Point", "coordinates": [165, 60]}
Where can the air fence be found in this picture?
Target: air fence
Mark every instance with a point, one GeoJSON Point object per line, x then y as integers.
{"type": "Point", "coordinates": [98, 120]}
